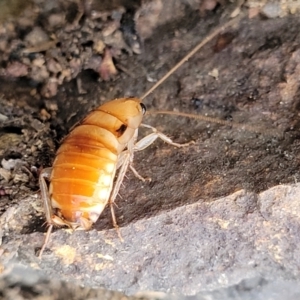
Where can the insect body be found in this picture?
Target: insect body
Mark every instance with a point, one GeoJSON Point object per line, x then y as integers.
{"type": "Point", "coordinates": [83, 172]}
{"type": "Point", "coordinates": [85, 165]}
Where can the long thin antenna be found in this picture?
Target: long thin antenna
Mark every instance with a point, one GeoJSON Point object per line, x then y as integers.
{"type": "Point", "coordinates": [247, 127]}
{"type": "Point", "coordinates": [191, 53]}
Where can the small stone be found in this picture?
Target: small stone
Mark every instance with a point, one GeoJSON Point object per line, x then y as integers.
{"type": "Point", "coordinates": [99, 46]}
{"type": "Point", "coordinates": [36, 36]}
{"type": "Point", "coordinates": [107, 68]}
{"type": "Point", "coordinates": [271, 10]}
{"type": "Point", "coordinates": [53, 66]}
{"type": "Point", "coordinates": [16, 69]}
{"type": "Point", "coordinates": [5, 174]}
{"type": "Point", "coordinates": [56, 20]}
{"type": "Point", "coordinates": [49, 89]}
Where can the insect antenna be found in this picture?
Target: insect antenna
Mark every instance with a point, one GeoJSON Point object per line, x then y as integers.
{"type": "Point", "coordinates": [191, 53]}
{"type": "Point", "coordinates": [250, 128]}
{"type": "Point", "coordinates": [201, 117]}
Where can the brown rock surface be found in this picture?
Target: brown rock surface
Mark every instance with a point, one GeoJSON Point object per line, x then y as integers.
{"type": "Point", "coordinates": [191, 249]}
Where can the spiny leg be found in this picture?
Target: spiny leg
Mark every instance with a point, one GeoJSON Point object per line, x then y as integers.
{"type": "Point", "coordinates": [46, 173]}
{"type": "Point", "coordinates": [46, 241]}
{"type": "Point", "coordinates": [137, 175]}
{"type": "Point", "coordinates": [125, 160]}
{"type": "Point", "coordinates": [121, 160]}
{"type": "Point", "coordinates": [150, 139]}
{"type": "Point", "coordinates": [114, 220]}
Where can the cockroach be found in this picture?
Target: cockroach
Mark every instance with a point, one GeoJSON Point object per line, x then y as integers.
{"type": "Point", "coordinates": [82, 178]}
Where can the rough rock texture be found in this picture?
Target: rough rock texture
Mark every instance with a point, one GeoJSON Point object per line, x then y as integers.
{"type": "Point", "coordinates": [245, 240]}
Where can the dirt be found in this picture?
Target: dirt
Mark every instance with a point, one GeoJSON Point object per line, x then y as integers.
{"type": "Point", "coordinates": [248, 75]}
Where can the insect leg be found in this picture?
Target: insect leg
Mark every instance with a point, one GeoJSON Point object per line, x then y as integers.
{"type": "Point", "coordinates": [120, 177]}
{"type": "Point", "coordinates": [123, 165]}
{"type": "Point", "coordinates": [149, 139]}
{"type": "Point", "coordinates": [46, 240]}
{"type": "Point", "coordinates": [46, 173]}
{"type": "Point", "coordinates": [122, 158]}
{"type": "Point", "coordinates": [137, 175]}
{"type": "Point", "coordinates": [126, 156]}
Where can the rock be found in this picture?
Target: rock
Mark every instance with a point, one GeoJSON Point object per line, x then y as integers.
{"type": "Point", "coordinates": [16, 69]}
{"type": "Point", "coordinates": [271, 10]}
{"type": "Point", "coordinates": [36, 36]}
{"type": "Point", "coordinates": [244, 239]}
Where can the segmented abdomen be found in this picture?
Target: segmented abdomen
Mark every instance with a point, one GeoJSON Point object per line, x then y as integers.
{"type": "Point", "coordinates": [85, 165]}
{"type": "Point", "coordinates": [84, 169]}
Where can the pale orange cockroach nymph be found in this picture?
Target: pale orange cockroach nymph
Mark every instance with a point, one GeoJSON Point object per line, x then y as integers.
{"type": "Point", "coordinates": [82, 178]}
{"type": "Point", "coordinates": [83, 172]}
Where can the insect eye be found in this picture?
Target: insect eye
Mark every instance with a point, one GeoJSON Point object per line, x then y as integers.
{"type": "Point", "coordinates": [144, 109]}
{"type": "Point", "coordinates": [121, 130]}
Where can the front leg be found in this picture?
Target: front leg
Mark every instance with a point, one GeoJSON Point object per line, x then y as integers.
{"type": "Point", "coordinates": [151, 138]}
